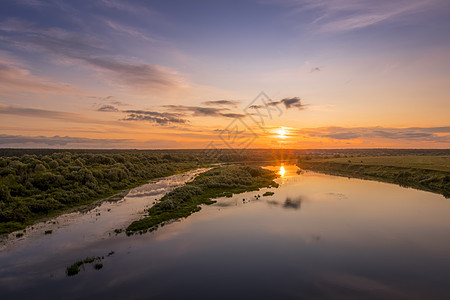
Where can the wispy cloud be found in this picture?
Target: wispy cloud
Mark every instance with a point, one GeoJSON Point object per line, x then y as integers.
{"type": "Point", "coordinates": [48, 114]}
{"type": "Point", "coordinates": [419, 134]}
{"type": "Point", "coordinates": [294, 102]}
{"type": "Point", "coordinates": [161, 118]}
{"type": "Point", "coordinates": [16, 78]}
{"type": "Point", "coordinates": [90, 50]}
{"type": "Point", "coordinates": [138, 75]}
{"type": "Point", "coordinates": [129, 31]}
{"type": "Point", "coordinates": [13, 140]}
{"type": "Point", "coordinates": [346, 15]}
{"type": "Point", "coordinates": [70, 142]}
{"type": "Point", "coordinates": [231, 103]}
{"type": "Point", "coordinates": [108, 108]}
{"type": "Point", "coordinates": [199, 111]}
{"type": "Point", "coordinates": [108, 100]}
{"type": "Point", "coordinates": [125, 6]}
{"type": "Point", "coordinates": [37, 112]}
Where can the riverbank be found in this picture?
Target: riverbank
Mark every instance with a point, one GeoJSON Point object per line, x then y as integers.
{"type": "Point", "coordinates": [219, 182]}
{"type": "Point", "coordinates": [35, 188]}
{"type": "Point", "coordinates": [428, 173]}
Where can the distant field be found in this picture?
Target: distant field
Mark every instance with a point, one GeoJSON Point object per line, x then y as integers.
{"type": "Point", "coordinates": [438, 163]}
{"type": "Point", "coordinates": [429, 173]}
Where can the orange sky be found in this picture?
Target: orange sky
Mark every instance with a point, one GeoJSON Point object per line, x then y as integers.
{"type": "Point", "coordinates": [335, 74]}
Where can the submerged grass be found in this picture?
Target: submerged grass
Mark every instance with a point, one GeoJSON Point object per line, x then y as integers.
{"type": "Point", "coordinates": [218, 182]}
{"type": "Point", "coordinates": [429, 173]}
{"type": "Point", "coordinates": [74, 269]}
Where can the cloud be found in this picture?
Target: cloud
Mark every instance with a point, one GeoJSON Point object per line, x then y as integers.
{"type": "Point", "coordinates": [13, 140]}
{"type": "Point", "coordinates": [37, 112]}
{"type": "Point", "coordinates": [90, 50]}
{"type": "Point", "coordinates": [129, 31]}
{"type": "Point", "coordinates": [163, 118]}
{"type": "Point", "coordinates": [347, 15]}
{"type": "Point", "coordinates": [198, 111]}
{"type": "Point", "coordinates": [343, 135]}
{"type": "Point", "coordinates": [107, 108]}
{"type": "Point", "coordinates": [108, 100]}
{"type": "Point", "coordinates": [315, 69]}
{"type": "Point", "coordinates": [232, 115]}
{"type": "Point", "coordinates": [231, 103]}
{"type": "Point", "coordinates": [66, 117]}
{"type": "Point", "coordinates": [294, 102]}
{"type": "Point", "coordinates": [15, 78]}
{"type": "Point", "coordinates": [125, 6]}
{"type": "Point", "coordinates": [68, 142]}
{"type": "Point", "coordinates": [418, 134]}
{"type": "Point", "coordinates": [137, 75]}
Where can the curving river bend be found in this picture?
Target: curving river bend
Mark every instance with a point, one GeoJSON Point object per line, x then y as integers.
{"type": "Point", "coordinates": [317, 237]}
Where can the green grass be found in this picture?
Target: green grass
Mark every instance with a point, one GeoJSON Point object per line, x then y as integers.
{"type": "Point", "coordinates": [185, 200]}
{"type": "Point", "coordinates": [9, 227]}
{"type": "Point", "coordinates": [435, 163]}
{"type": "Point", "coordinates": [429, 173]}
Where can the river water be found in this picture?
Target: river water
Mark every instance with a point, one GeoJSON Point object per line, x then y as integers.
{"type": "Point", "coordinates": [317, 237]}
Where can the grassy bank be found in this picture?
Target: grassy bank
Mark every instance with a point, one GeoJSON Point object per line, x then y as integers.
{"type": "Point", "coordinates": [429, 173]}
{"type": "Point", "coordinates": [185, 200]}
{"type": "Point", "coordinates": [33, 187]}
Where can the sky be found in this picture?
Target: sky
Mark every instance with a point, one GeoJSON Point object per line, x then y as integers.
{"type": "Point", "coordinates": [225, 74]}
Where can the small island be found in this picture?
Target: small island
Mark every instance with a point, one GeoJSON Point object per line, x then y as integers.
{"type": "Point", "coordinates": [218, 182]}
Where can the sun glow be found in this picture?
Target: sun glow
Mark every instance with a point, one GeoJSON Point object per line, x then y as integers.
{"type": "Point", "coordinates": [282, 171]}
{"type": "Point", "coordinates": [281, 132]}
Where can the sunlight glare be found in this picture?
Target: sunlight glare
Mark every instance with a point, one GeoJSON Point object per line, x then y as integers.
{"type": "Point", "coordinates": [282, 171]}
{"type": "Point", "coordinates": [281, 133]}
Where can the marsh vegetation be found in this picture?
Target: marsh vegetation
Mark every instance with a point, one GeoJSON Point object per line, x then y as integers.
{"type": "Point", "coordinates": [218, 182]}
{"type": "Point", "coordinates": [76, 267]}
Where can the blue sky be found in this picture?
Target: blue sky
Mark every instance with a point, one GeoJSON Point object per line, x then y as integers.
{"type": "Point", "coordinates": [356, 66]}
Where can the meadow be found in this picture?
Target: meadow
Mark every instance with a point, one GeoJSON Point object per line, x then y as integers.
{"type": "Point", "coordinates": [425, 172]}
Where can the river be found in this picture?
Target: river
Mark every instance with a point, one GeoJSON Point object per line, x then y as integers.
{"type": "Point", "coordinates": [317, 237]}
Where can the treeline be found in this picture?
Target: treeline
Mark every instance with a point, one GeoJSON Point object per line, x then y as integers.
{"type": "Point", "coordinates": [185, 200]}
{"type": "Point", "coordinates": [32, 186]}
{"type": "Point", "coordinates": [228, 155]}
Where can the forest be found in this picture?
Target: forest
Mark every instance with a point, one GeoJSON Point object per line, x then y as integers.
{"type": "Point", "coordinates": [33, 186]}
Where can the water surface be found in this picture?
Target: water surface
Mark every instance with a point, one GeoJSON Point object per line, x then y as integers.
{"type": "Point", "coordinates": [317, 237]}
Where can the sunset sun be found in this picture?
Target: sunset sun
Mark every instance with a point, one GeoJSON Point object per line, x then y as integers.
{"type": "Point", "coordinates": [281, 133]}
